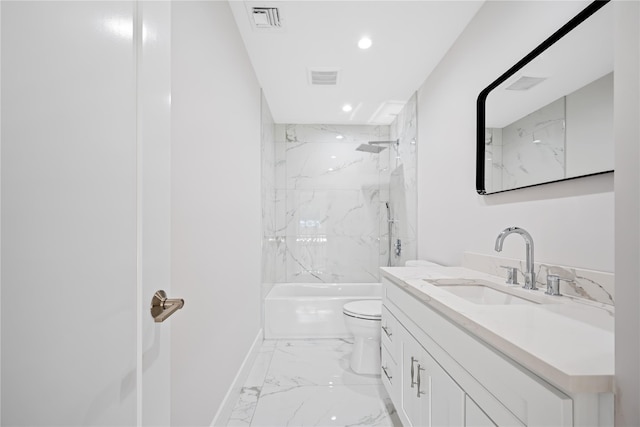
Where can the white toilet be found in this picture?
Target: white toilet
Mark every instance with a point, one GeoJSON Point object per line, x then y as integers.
{"type": "Point", "coordinates": [362, 319]}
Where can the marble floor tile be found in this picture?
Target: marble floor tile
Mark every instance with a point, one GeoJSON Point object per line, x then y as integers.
{"type": "Point", "coordinates": [308, 383]}
{"type": "Point", "coordinates": [260, 366]}
{"type": "Point", "coordinates": [314, 362]}
{"type": "Point", "coordinates": [250, 392]}
{"type": "Point", "coordinates": [245, 407]}
{"type": "Point", "coordinates": [340, 405]}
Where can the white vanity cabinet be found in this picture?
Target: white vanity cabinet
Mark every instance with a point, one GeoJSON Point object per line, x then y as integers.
{"type": "Point", "coordinates": [463, 381]}
{"type": "Point", "coordinates": [424, 394]}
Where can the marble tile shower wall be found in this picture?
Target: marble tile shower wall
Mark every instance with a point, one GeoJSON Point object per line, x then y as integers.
{"type": "Point", "coordinates": [328, 202]}
{"type": "Point", "coordinates": [270, 245]}
{"type": "Point", "coordinates": [403, 194]}
{"type": "Point", "coordinates": [528, 151]}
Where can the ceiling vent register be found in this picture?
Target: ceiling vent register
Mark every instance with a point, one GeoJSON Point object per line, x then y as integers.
{"type": "Point", "coordinates": [323, 77]}
{"type": "Point", "coordinates": [266, 17]}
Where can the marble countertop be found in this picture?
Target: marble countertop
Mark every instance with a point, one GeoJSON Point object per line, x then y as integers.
{"type": "Point", "coordinates": [565, 340]}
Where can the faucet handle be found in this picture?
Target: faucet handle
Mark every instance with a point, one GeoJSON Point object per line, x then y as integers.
{"type": "Point", "coordinates": [512, 274]}
{"type": "Point", "coordinates": [553, 284]}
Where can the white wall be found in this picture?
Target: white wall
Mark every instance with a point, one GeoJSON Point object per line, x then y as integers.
{"type": "Point", "coordinates": [589, 146]}
{"type": "Point", "coordinates": [571, 222]}
{"type": "Point", "coordinates": [627, 159]}
{"type": "Point", "coordinates": [215, 201]}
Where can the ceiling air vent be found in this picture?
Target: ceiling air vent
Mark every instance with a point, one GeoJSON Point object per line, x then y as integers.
{"type": "Point", "coordinates": [323, 76]}
{"type": "Point", "coordinates": [525, 83]}
{"type": "Point", "coordinates": [266, 17]}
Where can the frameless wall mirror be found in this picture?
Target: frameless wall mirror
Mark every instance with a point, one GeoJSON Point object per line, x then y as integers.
{"type": "Point", "coordinates": [550, 116]}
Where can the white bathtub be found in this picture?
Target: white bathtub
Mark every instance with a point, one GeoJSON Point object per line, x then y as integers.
{"type": "Point", "coordinates": [312, 310]}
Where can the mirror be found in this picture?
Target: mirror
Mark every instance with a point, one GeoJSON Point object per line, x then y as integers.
{"type": "Point", "coordinates": [550, 116]}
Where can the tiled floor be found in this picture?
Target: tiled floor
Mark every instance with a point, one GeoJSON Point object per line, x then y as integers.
{"type": "Point", "coordinates": [308, 383]}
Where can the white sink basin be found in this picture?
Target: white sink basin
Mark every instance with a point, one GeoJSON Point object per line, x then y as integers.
{"type": "Point", "coordinates": [480, 294]}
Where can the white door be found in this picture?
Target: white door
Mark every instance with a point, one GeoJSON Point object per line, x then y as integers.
{"type": "Point", "coordinates": [84, 212]}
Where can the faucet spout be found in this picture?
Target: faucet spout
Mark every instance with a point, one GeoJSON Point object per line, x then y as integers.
{"type": "Point", "coordinates": [529, 276]}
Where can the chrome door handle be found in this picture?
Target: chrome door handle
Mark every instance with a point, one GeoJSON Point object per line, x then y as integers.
{"type": "Point", "coordinates": [418, 382]}
{"type": "Point", "coordinates": [163, 307]}
{"type": "Point", "coordinates": [412, 373]}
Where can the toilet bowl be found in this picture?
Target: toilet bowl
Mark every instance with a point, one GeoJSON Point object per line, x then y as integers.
{"type": "Point", "coordinates": [362, 319]}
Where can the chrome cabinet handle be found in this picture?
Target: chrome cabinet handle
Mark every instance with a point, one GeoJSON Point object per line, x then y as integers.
{"type": "Point", "coordinates": [163, 307]}
{"type": "Point", "coordinates": [418, 382]}
{"type": "Point", "coordinates": [386, 331]}
{"type": "Point", "coordinates": [386, 374]}
{"type": "Point", "coordinates": [412, 373]}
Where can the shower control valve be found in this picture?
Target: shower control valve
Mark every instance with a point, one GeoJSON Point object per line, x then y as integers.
{"type": "Point", "coordinates": [398, 246]}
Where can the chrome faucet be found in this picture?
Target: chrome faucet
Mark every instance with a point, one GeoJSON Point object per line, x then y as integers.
{"type": "Point", "coordinates": [529, 275]}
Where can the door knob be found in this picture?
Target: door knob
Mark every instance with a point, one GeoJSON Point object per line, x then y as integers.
{"type": "Point", "coordinates": [163, 307]}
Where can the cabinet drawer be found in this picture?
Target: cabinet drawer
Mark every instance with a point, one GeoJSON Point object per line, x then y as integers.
{"type": "Point", "coordinates": [390, 334]}
{"type": "Point", "coordinates": [390, 375]}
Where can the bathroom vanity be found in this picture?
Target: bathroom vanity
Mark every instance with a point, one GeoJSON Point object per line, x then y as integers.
{"type": "Point", "coordinates": [459, 347]}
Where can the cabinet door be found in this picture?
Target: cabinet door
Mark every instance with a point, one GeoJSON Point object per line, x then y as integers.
{"type": "Point", "coordinates": [416, 383]}
{"type": "Point", "coordinates": [447, 398]}
{"type": "Point", "coordinates": [429, 396]}
{"type": "Point", "coordinates": [474, 417]}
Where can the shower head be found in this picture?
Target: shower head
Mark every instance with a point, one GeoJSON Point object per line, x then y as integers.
{"type": "Point", "coordinates": [395, 142]}
{"type": "Point", "coordinates": [375, 146]}
{"type": "Point", "coordinates": [370, 148]}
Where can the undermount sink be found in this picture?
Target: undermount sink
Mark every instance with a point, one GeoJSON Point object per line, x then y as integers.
{"type": "Point", "coordinates": [479, 293]}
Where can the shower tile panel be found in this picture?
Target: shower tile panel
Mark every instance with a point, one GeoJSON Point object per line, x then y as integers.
{"type": "Point", "coordinates": [292, 133]}
{"type": "Point", "coordinates": [403, 192]}
{"type": "Point", "coordinates": [330, 166]}
{"type": "Point", "coordinates": [269, 213]}
{"type": "Point", "coordinates": [331, 212]}
{"type": "Point", "coordinates": [268, 192]}
{"type": "Point", "coordinates": [280, 209]}
{"type": "Point", "coordinates": [525, 162]}
{"type": "Point", "coordinates": [328, 202]}
{"type": "Point", "coordinates": [280, 164]}
{"type": "Point", "coordinates": [274, 258]}
{"type": "Point", "coordinates": [332, 259]}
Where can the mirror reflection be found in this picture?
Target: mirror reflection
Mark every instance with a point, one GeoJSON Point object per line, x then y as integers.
{"type": "Point", "coordinates": [552, 118]}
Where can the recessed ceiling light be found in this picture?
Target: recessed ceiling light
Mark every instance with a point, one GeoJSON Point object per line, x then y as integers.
{"type": "Point", "coordinates": [347, 107]}
{"type": "Point", "coordinates": [339, 137]}
{"type": "Point", "coordinates": [333, 157]}
{"type": "Point", "coordinates": [365, 43]}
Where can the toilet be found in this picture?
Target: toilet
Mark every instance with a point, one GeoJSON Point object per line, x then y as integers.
{"type": "Point", "coordinates": [362, 319]}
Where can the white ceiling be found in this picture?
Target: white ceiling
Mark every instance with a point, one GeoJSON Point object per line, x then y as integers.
{"type": "Point", "coordinates": [409, 39]}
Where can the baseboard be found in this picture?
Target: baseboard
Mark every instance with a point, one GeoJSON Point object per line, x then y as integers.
{"type": "Point", "coordinates": [230, 399]}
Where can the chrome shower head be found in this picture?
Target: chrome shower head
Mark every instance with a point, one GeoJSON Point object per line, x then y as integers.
{"type": "Point", "coordinates": [394, 142]}
{"type": "Point", "coordinates": [370, 148]}
{"type": "Point", "coordinates": [375, 146]}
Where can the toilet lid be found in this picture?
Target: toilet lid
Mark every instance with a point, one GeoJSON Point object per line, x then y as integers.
{"type": "Point", "coordinates": [366, 309]}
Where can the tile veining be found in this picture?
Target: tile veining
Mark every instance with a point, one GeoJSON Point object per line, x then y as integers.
{"type": "Point", "coordinates": [308, 382]}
